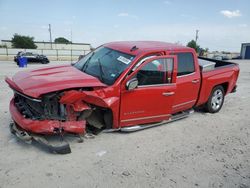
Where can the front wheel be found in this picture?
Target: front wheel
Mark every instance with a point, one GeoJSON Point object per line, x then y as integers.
{"type": "Point", "coordinates": [216, 100]}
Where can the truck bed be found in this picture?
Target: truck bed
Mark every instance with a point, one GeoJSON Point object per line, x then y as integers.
{"type": "Point", "coordinates": [207, 64]}
{"type": "Point", "coordinates": [216, 72]}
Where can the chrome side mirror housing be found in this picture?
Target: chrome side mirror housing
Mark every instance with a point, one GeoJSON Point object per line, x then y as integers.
{"type": "Point", "coordinates": [132, 84]}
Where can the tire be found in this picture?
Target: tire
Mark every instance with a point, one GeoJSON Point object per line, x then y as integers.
{"type": "Point", "coordinates": [44, 62]}
{"type": "Point", "coordinates": [216, 100]}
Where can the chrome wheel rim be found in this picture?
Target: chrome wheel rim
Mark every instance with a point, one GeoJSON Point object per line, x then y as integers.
{"type": "Point", "coordinates": [217, 99]}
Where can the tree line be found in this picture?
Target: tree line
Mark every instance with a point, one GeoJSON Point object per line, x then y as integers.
{"type": "Point", "coordinates": [27, 42]}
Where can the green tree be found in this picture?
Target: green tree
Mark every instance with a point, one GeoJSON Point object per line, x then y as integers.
{"type": "Point", "coordinates": [62, 40]}
{"type": "Point", "coordinates": [203, 51]}
{"type": "Point", "coordinates": [194, 45]}
{"type": "Point", "coordinates": [3, 46]}
{"type": "Point", "coordinates": [20, 41]}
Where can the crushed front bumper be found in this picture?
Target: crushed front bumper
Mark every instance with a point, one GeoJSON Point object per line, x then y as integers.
{"type": "Point", "coordinates": [46, 126]}
{"type": "Point", "coordinates": [62, 147]}
{"type": "Point", "coordinates": [28, 130]}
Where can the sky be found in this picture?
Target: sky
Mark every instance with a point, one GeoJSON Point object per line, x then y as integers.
{"type": "Point", "coordinates": [223, 24]}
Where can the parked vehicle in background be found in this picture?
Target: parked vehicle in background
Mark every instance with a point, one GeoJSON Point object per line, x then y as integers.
{"type": "Point", "coordinates": [126, 86]}
{"type": "Point", "coordinates": [31, 57]}
{"type": "Point", "coordinates": [217, 57]}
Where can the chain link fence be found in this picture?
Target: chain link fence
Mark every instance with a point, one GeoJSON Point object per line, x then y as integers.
{"type": "Point", "coordinates": [7, 54]}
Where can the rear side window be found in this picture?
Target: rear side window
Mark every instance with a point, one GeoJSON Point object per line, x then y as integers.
{"type": "Point", "coordinates": [185, 63]}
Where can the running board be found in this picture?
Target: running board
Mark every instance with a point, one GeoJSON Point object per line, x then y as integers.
{"type": "Point", "coordinates": [176, 117]}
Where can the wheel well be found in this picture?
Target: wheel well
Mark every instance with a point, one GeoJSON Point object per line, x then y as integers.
{"type": "Point", "coordinates": [101, 118]}
{"type": "Point", "coordinates": [225, 86]}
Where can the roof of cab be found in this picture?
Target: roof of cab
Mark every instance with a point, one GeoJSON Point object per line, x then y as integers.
{"type": "Point", "coordinates": [143, 46]}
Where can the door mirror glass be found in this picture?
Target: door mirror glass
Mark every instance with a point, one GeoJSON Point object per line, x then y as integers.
{"type": "Point", "coordinates": [132, 84]}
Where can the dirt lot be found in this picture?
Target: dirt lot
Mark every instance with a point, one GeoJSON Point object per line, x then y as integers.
{"type": "Point", "coordinates": [203, 150]}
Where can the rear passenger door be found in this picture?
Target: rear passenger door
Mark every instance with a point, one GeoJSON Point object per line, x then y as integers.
{"type": "Point", "coordinates": [187, 82]}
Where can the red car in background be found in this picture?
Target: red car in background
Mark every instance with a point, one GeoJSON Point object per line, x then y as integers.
{"type": "Point", "coordinates": [125, 86]}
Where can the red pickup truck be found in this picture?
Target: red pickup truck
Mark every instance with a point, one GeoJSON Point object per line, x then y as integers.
{"type": "Point", "coordinates": [126, 86]}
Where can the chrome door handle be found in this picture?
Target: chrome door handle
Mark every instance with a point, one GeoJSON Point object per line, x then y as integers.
{"type": "Point", "coordinates": [195, 81]}
{"type": "Point", "coordinates": [168, 93]}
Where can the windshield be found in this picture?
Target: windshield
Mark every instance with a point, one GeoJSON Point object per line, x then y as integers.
{"type": "Point", "coordinates": [104, 63]}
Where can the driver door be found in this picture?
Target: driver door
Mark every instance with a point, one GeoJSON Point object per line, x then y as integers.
{"type": "Point", "coordinates": [152, 100]}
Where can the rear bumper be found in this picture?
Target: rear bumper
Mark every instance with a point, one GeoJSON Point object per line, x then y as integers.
{"type": "Point", "coordinates": [45, 126]}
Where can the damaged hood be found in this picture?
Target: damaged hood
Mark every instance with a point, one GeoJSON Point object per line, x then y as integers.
{"type": "Point", "coordinates": [36, 82]}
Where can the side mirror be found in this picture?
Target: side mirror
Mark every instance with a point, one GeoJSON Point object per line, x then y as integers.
{"type": "Point", "coordinates": [132, 84]}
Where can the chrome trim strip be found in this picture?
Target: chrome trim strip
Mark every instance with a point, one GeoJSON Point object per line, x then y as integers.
{"type": "Point", "coordinates": [149, 117]}
{"type": "Point", "coordinates": [166, 94]}
{"type": "Point", "coordinates": [181, 104]}
{"type": "Point", "coordinates": [27, 97]}
{"type": "Point", "coordinates": [170, 84]}
{"type": "Point", "coordinates": [186, 75]}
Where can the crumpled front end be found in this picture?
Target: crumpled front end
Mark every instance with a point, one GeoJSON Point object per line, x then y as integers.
{"type": "Point", "coordinates": [78, 112]}
{"type": "Point", "coordinates": [45, 116]}
{"type": "Point", "coordinates": [61, 99]}
{"type": "Point", "coordinates": [36, 118]}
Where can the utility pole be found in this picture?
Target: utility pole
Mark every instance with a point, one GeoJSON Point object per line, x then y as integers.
{"type": "Point", "coordinates": [50, 36]}
{"type": "Point", "coordinates": [71, 35]}
{"type": "Point", "coordinates": [71, 42]}
{"type": "Point", "coordinates": [196, 35]}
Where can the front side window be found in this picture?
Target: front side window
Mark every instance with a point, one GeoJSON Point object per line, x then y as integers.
{"type": "Point", "coordinates": [185, 63]}
{"type": "Point", "coordinates": [158, 71]}
{"type": "Point", "coordinates": [104, 63]}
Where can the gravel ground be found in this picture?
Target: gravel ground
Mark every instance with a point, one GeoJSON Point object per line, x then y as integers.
{"type": "Point", "coordinates": [203, 150]}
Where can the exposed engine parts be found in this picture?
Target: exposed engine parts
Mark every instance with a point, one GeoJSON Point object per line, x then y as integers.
{"type": "Point", "coordinates": [66, 112]}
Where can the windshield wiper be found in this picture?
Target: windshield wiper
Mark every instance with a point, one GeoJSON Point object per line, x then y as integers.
{"type": "Point", "coordinates": [101, 69]}
{"type": "Point", "coordinates": [85, 66]}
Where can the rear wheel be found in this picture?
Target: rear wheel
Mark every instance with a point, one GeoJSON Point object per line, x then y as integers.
{"type": "Point", "coordinates": [216, 100]}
